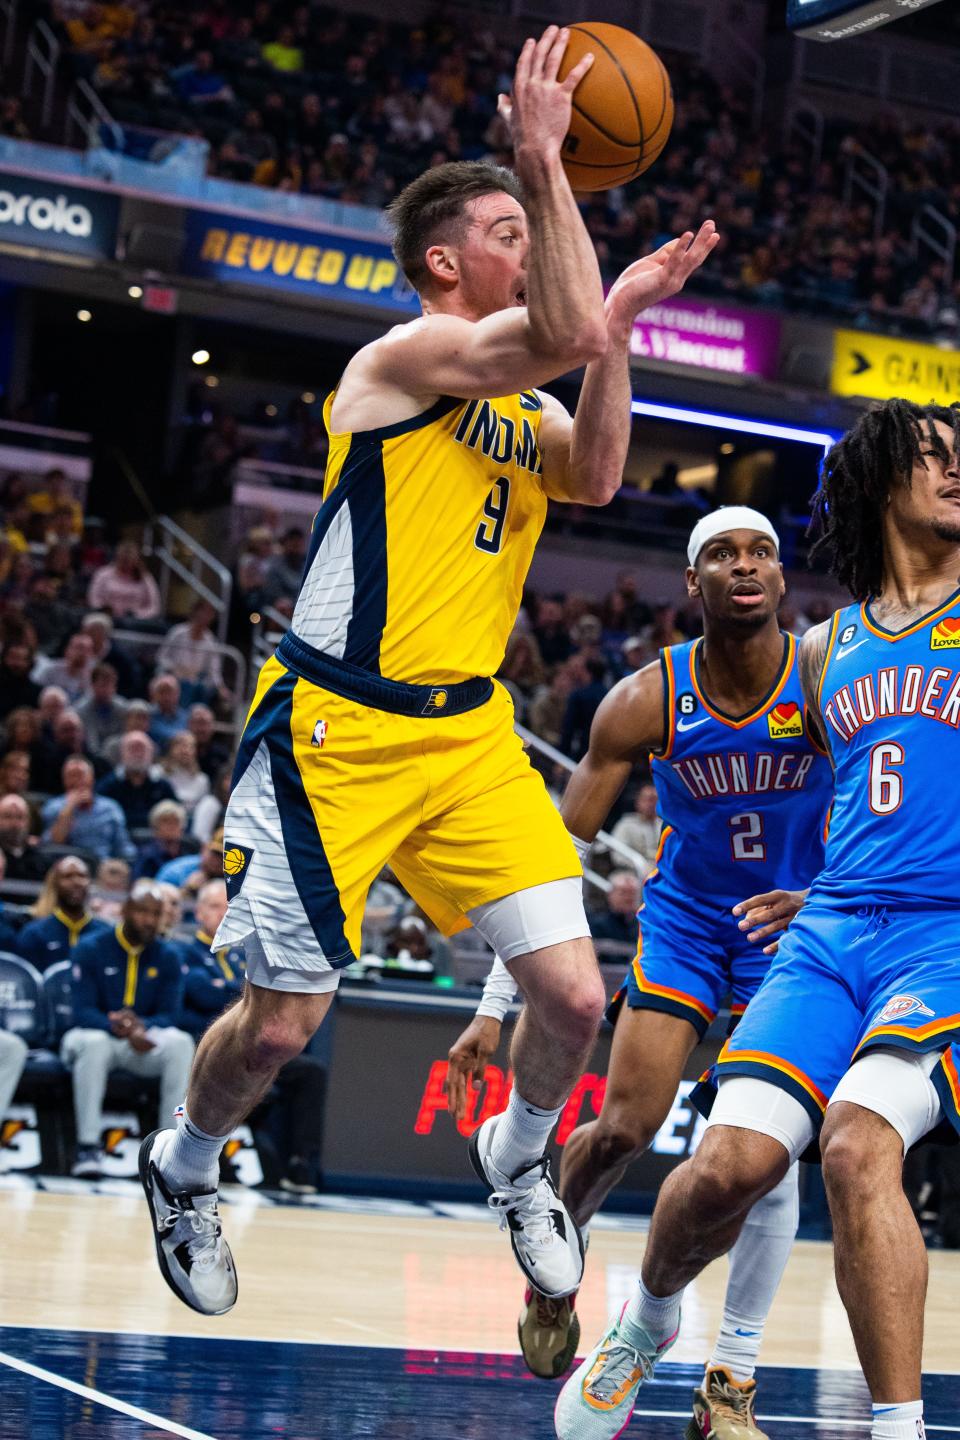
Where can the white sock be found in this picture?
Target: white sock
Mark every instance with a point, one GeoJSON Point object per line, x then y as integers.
{"type": "Point", "coordinates": [757, 1263]}
{"type": "Point", "coordinates": [521, 1135]}
{"type": "Point", "coordinates": [898, 1422]}
{"type": "Point", "coordinates": [653, 1316]}
{"type": "Point", "coordinates": [190, 1162]}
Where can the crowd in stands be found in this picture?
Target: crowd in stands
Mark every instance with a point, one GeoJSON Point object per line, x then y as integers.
{"type": "Point", "coordinates": [299, 97]}
{"type": "Point", "coordinates": [115, 753]}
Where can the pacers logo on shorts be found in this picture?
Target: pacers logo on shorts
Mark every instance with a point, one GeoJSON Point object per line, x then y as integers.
{"type": "Point", "coordinates": [945, 635]}
{"type": "Point", "coordinates": [785, 720]}
{"type": "Point", "coordinates": [236, 859]}
{"type": "Point", "coordinates": [436, 701]}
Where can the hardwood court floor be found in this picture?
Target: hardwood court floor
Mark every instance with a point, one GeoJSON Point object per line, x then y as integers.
{"type": "Point", "coordinates": [432, 1293]}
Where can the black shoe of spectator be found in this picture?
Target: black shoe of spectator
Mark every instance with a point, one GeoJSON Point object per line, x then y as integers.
{"type": "Point", "coordinates": [89, 1163]}
{"type": "Point", "coordinates": [300, 1177]}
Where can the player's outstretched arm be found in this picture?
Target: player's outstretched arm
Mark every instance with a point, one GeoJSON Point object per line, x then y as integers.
{"type": "Point", "coordinates": [584, 456]}
{"type": "Point", "coordinates": [562, 325]}
{"type": "Point", "coordinates": [628, 724]}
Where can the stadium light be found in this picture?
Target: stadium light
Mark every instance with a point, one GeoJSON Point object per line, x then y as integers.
{"type": "Point", "coordinates": [741, 423]}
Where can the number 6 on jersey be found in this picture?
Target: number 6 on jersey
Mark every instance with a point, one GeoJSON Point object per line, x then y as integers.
{"type": "Point", "coordinates": [886, 785]}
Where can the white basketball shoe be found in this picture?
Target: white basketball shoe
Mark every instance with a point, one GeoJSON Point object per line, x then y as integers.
{"type": "Point", "coordinates": [193, 1257]}
{"type": "Point", "coordinates": [545, 1239]}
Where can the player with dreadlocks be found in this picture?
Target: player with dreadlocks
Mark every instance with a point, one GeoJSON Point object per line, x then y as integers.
{"type": "Point", "coordinates": [855, 1033]}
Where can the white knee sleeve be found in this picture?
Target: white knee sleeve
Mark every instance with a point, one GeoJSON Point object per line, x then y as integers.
{"type": "Point", "coordinates": [779, 1209]}
{"type": "Point", "coordinates": [747, 1103]}
{"type": "Point", "coordinates": [532, 919]}
{"type": "Point", "coordinates": [895, 1084]}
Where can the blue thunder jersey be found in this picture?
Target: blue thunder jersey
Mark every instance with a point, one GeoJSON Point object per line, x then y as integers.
{"type": "Point", "coordinates": [891, 708]}
{"type": "Point", "coordinates": [744, 801]}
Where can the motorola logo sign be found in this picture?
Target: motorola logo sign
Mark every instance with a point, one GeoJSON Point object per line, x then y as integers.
{"type": "Point", "coordinates": [46, 213]}
{"type": "Point", "coordinates": [42, 214]}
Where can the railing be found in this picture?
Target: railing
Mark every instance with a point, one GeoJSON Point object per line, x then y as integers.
{"type": "Point", "coordinates": [43, 54]}
{"type": "Point", "coordinates": [179, 554]}
{"type": "Point", "coordinates": [233, 664]}
{"type": "Point", "coordinates": [87, 113]}
{"type": "Point", "coordinates": [8, 21]}
{"type": "Point", "coordinates": [805, 125]}
{"type": "Point", "coordinates": [932, 229]}
{"type": "Point", "coordinates": [550, 752]}
{"type": "Point", "coordinates": [867, 175]}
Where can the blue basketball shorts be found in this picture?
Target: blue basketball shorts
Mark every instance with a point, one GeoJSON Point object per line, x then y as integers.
{"type": "Point", "coordinates": [846, 980]}
{"type": "Point", "coordinates": [690, 957]}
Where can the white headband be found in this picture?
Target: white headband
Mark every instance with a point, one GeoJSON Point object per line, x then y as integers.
{"type": "Point", "coordinates": [728, 517]}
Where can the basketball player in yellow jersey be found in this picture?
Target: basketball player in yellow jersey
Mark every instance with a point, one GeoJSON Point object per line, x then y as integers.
{"type": "Point", "coordinates": [376, 733]}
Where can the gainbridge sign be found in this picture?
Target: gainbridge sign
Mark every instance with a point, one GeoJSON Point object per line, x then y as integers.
{"type": "Point", "coordinates": [883, 366]}
{"type": "Point", "coordinates": [315, 264]}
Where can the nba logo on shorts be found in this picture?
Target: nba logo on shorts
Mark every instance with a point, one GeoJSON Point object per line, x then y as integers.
{"type": "Point", "coordinates": [899, 1007]}
{"type": "Point", "coordinates": [319, 734]}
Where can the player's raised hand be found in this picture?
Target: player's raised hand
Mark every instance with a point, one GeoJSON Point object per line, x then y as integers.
{"type": "Point", "coordinates": [539, 108]}
{"type": "Point", "coordinates": [770, 914]}
{"type": "Point", "coordinates": [655, 277]}
{"type": "Point", "coordinates": [468, 1058]}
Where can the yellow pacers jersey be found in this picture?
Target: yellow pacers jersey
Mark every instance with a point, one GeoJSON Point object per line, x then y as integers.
{"type": "Point", "coordinates": [422, 544]}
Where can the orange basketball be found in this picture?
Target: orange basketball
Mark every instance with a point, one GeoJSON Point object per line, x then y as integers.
{"type": "Point", "coordinates": [622, 108]}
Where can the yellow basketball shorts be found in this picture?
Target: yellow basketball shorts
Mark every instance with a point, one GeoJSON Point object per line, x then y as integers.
{"type": "Point", "coordinates": [340, 773]}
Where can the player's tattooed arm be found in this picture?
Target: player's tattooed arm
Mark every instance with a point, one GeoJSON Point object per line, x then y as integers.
{"type": "Point", "coordinates": [628, 724]}
{"type": "Point", "coordinates": [812, 657]}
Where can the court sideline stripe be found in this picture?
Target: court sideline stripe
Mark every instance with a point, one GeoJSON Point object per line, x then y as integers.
{"type": "Point", "coordinates": [99, 1398]}
{"type": "Point", "coordinates": [863, 1424]}
{"type": "Point", "coordinates": [173, 1428]}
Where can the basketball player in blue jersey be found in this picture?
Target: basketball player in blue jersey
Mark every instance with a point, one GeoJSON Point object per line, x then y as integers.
{"type": "Point", "coordinates": [376, 734]}
{"type": "Point", "coordinates": [855, 1033]}
{"type": "Point", "coordinates": [744, 792]}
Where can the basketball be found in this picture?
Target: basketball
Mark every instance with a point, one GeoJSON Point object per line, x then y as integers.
{"type": "Point", "coordinates": [234, 861]}
{"type": "Point", "coordinates": [622, 108]}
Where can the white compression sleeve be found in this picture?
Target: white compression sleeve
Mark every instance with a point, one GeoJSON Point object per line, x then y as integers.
{"type": "Point", "coordinates": [500, 988]}
{"type": "Point", "coordinates": [499, 991]}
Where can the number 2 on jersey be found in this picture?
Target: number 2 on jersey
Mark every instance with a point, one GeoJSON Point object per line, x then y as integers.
{"type": "Point", "coordinates": [746, 836]}
{"type": "Point", "coordinates": [489, 536]}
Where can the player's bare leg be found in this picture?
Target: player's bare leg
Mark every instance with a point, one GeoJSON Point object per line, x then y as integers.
{"type": "Point", "coordinates": [703, 1204]}
{"type": "Point", "coordinates": [880, 1257]}
{"type": "Point", "coordinates": [552, 1043]}
{"type": "Point", "coordinates": [557, 1030]}
{"type": "Point", "coordinates": [236, 1063]}
{"type": "Point", "coordinates": [649, 1052]}
{"type": "Point", "coordinates": [700, 1212]}
{"type": "Point", "coordinates": [647, 1059]}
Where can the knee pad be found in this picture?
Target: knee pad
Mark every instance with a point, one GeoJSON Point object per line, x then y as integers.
{"type": "Point", "coordinates": [747, 1103]}
{"type": "Point", "coordinates": [896, 1085]}
{"type": "Point", "coordinates": [532, 919]}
